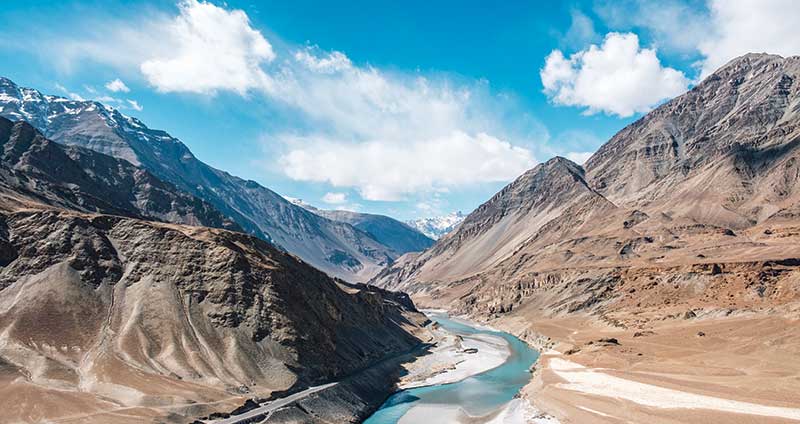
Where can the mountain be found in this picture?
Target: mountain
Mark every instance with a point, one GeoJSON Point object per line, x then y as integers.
{"type": "Point", "coordinates": [109, 301]}
{"type": "Point", "coordinates": [685, 223]}
{"type": "Point", "coordinates": [671, 258]}
{"type": "Point", "coordinates": [337, 248]}
{"type": "Point", "coordinates": [400, 237]}
{"type": "Point", "coordinates": [436, 227]}
{"type": "Point", "coordinates": [721, 159]}
{"type": "Point", "coordinates": [38, 170]}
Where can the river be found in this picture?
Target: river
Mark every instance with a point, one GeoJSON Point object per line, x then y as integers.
{"type": "Point", "coordinates": [478, 395]}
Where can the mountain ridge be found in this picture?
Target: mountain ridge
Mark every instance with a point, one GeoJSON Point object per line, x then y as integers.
{"type": "Point", "coordinates": [334, 247]}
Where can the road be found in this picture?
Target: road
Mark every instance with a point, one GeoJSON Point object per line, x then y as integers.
{"type": "Point", "coordinates": [275, 404]}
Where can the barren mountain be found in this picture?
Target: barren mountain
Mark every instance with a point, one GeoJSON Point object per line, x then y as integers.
{"type": "Point", "coordinates": [41, 171]}
{"type": "Point", "coordinates": [334, 247]}
{"type": "Point", "coordinates": [106, 318]}
{"type": "Point", "coordinates": [689, 218]}
{"type": "Point", "coordinates": [390, 232]}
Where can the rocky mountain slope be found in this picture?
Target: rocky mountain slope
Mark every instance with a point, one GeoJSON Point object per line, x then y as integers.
{"type": "Point", "coordinates": [335, 247]}
{"type": "Point", "coordinates": [107, 318]}
{"type": "Point", "coordinates": [711, 176]}
{"type": "Point", "coordinates": [38, 170]}
{"type": "Point", "coordinates": [400, 237]}
{"type": "Point", "coordinates": [438, 226]}
{"type": "Point", "coordinates": [667, 268]}
{"type": "Point", "coordinates": [686, 221]}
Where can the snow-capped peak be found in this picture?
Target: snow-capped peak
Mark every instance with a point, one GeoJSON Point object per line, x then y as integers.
{"type": "Point", "coordinates": [438, 226]}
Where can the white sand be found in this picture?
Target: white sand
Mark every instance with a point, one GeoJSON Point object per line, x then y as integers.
{"type": "Point", "coordinates": [453, 364]}
{"type": "Point", "coordinates": [592, 381]}
{"type": "Point", "coordinates": [432, 414]}
{"type": "Point", "coordinates": [520, 411]}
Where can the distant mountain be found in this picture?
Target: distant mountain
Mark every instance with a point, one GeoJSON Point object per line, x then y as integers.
{"type": "Point", "coordinates": [438, 226]}
{"type": "Point", "coordinates": [390, 232]}
{"type": "Point", "coordinates": [335, 247]}
{"type": "Point", "coordinates": [34, 169]}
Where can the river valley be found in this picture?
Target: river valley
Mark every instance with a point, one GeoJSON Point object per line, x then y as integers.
{"type": "Point", "coordinates": [476, 398]}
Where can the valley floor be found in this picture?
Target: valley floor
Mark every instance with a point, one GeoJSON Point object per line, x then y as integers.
{"type": "Point", "coordinates": [738, 369]}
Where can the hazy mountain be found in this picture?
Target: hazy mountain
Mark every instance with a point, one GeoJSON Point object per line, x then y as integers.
{"type": "Point", "coordinates": [706, 181]}
{"type": "Point", "coordinates": [436, 227]}
{"type": "Point", "coordinates": [334, 247]}
{"type": "Point", "coordinates": [400, 237]}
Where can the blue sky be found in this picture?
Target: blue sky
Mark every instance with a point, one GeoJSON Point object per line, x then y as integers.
{"type": "Point", "coordinates": [407, 108]}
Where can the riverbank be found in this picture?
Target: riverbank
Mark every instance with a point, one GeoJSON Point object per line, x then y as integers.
{"type": "Point", "coordinates": [472, 375]}
{"type": "Point", "coordinates": [733, 369]}
{"type": "Point", "coordinates": [454, 358]}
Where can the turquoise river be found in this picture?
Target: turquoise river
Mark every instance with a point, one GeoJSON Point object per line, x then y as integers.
{"type": "Point", "coordinates": [477, 395]}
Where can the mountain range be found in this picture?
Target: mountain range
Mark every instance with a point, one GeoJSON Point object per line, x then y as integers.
{"type": "Point", "coordinates": [672, 257]}
{"type": "Point", "coordinates": [117, 294]}
{"type": "Point", "coordinates": [336, 247]}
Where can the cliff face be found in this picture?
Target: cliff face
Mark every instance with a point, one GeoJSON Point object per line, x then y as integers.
{"type": "Point", "coordinates": [705, 184]}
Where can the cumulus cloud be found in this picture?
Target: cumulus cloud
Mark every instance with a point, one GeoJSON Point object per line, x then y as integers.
{"type": "Point", "coordinates": [350, 115]}
{"type": "Point", "coordinates": [750, 26]}
{"type": "Point", "coordinates": [116, 86]}
{"type": "Point", "coordinates": [389, 169]}
{"type": "Point", "coordinates": [618, 77]}
{"type": "Point", "coordinates": [335, 198]}
{"type": "Point", "coordinates": [211, 49]}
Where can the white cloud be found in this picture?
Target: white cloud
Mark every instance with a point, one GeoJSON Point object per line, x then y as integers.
{"type": "Point", "coordinates": [340, 117]}
{"type": "Point", "coordinates": [579, 157]}
{"type": "Point", "coordinates": [330, 63]}
{"type": "Point", "coordinates": [335, 198]}
{"type": "Point", "coordinates": [211, 49]}
{"type": "Point", "coordinates": [117, 86]}
{"type": "Point", "coordinates": [750, 26]}
{"type": "Point", "coordinates": [618, 77]}
{"type": "Point", "coordinates": [390, 169]}
{"type": "Point", "coordinates": [71, 95]}
{"type": "Point", "coordinates": [135, 105]}
{"type": "Point", "coordinates": [389, 135]}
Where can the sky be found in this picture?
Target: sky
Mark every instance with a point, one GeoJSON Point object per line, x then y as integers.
{"type": "Point", "coordinates": [410, 109]}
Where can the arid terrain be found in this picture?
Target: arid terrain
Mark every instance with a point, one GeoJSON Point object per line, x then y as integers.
{"type": "Point", "coordinates": [678, 243]}
{"type": "Point", "coordinates": [112, 309]}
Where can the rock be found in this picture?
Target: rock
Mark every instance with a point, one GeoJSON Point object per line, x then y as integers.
{"type": "Point", "coordinates": [701, 334]}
